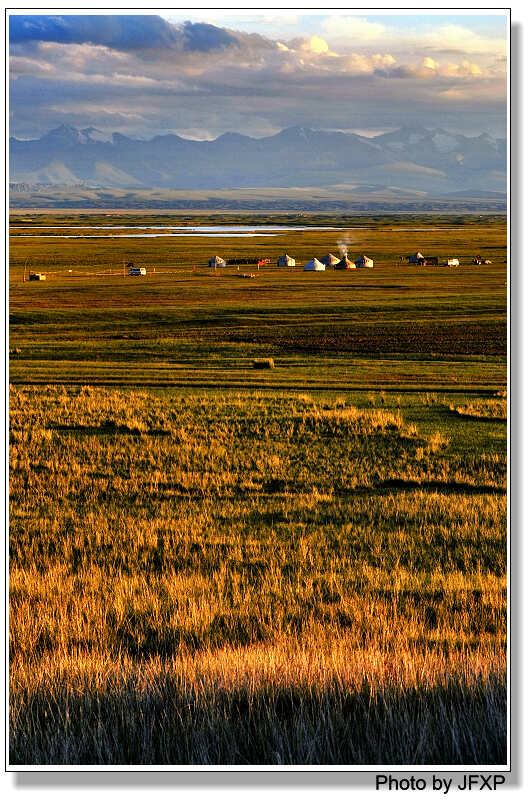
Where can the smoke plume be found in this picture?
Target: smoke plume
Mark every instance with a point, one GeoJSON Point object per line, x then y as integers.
{"type": "Point", "coordinates": [343, 243]}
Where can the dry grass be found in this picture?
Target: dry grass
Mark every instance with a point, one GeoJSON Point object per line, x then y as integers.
{"type": "Point", "coordinates": [325, 703]}
{"type": "Point", "coordinates": [251, 579]}
{"type": "Point", "coordinates": [488, 409]}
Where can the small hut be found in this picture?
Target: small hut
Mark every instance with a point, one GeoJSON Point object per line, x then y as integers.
{"type": "Point", "coordinates": [37, 277]}
{"type": "Point", "coordinates": [345, 264]}
{"type": "Point", "coordinates": [330, 260]}
{"type": "Point", "coordinates": [286, 261]}
{"type": "Point", "coordinates": [217, 261]}
{"type": "Point", "coordinates": [364, 261]}
{"type": "Point", "coordinates": [314, 264]}
{"type": "Point", "coordinates": [452, 262]}
{"type": "Point", "coordinates": [416, 258]}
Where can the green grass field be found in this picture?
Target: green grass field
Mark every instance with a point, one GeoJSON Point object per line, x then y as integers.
{"type": "Point", "coordinates": [212, 563]}
{"type": "Point", "coordinates": [395, 326]}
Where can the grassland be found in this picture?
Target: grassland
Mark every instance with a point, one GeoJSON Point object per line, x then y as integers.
{"type": "Point", "coordinates": [396, 326]}
{"type": "Point", "coordinates": [211, 563]}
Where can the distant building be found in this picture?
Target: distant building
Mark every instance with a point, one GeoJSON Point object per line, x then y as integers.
{"type": "Point", "coordinates": [416, 258]}
{"type": "Point", "coordinates": [137, 271]}
{"type": "Point", "coordinates": [330, 260]}
{"type": "Point", "coordinates": [37, 277]}
{"type": "Point", "coordinates": [217, 261]}
{"type": "Point", "coordinates": [344, 264]}
{"type": "Point", "coordinates": [314, 264]}
{"type": "Point", "coordinates": [364, 261]}
{"type": "Point", "coordinates": [286, 261]}
{"type": "Point", "coordinates": [452, 262]}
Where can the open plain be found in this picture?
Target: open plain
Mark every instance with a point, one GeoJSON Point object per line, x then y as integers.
{"type": "Point", "coordinates": [213, 561]}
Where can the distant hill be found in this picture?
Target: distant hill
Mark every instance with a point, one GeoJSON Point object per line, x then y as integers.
{"type": "Point", "coordinates": [334, 199]}
{"type": "Point", "coordinates": [414, 159]}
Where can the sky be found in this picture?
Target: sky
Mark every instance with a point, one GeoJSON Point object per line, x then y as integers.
{"type": "Point", "coordinates": [201, 74]}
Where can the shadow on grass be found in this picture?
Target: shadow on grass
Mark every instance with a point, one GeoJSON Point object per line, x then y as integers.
{"type": "Point", "coordinates": [453, 413]}
{"type": "Point", "coordinates": [168, 722]}
{"type": "Point", "coordinates": [448, 487]}
{"type": "Point", "coordinates": [109, 427]}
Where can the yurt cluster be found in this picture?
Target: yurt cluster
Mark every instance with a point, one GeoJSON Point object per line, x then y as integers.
{"type": "Point", "coordinates": [337, 264]}
{"type": "Point", "coordinates": [330, 261]}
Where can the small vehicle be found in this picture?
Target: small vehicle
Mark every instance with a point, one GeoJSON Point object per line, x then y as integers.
{"type": "Point", "coordinates": [137, 271]}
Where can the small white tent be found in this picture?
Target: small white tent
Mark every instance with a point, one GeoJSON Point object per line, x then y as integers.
{"type": "Point", "coordinates": [314, 264]}
{"type": "Point", "coordinates": [286, 261]}
{"type": "Point", "coordinates": [364, 261]}
{"type": "Point", "coordinates": [452, 262]}
{"type": "Point", "coordinates": [329, 260]}
{"type": "Point", "coordinates": [217, 261]}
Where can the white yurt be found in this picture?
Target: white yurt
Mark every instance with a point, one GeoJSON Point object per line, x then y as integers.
{"type": "Point", "coordinates": [344, 264]}
{"type": "Point", "coordinates": [364, 261]}
{"type": "Point", "coordinates": [314, 264]}
{"type": "Point", "coordinates": [329, 260]}
{"type": "Point", "coordinates": [217, 261]}
{"type": "Point", "coordinates": [286, 261]}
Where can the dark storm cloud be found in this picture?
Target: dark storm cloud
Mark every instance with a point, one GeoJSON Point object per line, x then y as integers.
{"type": "Point", "coordinates": [200, 36]}
{"type": "Point", "coordinates": [121, 32]}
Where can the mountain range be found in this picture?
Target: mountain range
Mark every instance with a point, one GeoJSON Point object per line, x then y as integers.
{"type": "Point", "coordinates": [413, 159]}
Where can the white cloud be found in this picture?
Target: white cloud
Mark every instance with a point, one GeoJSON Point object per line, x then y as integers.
{"type": "Point", "coordinates": [354, 29]}
{"type": "Point", "coordinates": [457, 38]}
{"type": "Point", "coordinates": [385, 61]}
{"type": "Point", "coordinates": [20, 65]}
{"type": "Point", "coordinates": [316, 45]}
{"type": "Point", "coordinates": [462, 70]}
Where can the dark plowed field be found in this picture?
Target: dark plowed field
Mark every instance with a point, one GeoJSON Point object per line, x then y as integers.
{"type": "Point", "coordinates": [422, 338]}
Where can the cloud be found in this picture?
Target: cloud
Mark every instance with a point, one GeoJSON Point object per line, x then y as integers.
{"type": "Point", "coordinates": [124, 32]}
{"type": "Point", "coordinates": [461, 39]}
{"type": "Point", "coordinates": [354, 29]}
{"type": "Point", "coordinates": [441, 40]}
{"type": "Point", "coordinates": [464, 69]}
{"type": "Point", "coordinates": [22, 65]}
{"type": "Point", "coordinates": [430, 69]}
{"type": "Point", "coordinates": [315, 45]}
{"type": "Point", "coordinates": [202, 37]}
{"type": "Point", "coordinates": [196, 76]}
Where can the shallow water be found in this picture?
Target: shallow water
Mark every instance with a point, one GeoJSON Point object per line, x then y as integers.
{"type": "Point", "coordinates": [196, 231]}
{"type": "Point", "coordinates": [183, 231]}
{"type": "Point", "coordinates": [129, 236]}
{"type": "Point", "coordinates": [193, 228]}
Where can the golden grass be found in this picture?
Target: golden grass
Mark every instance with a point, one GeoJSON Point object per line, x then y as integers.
{"type": "Point", "coordinates": [251, 579]}
{"type": "Point", "coordinates": [484, 408]}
